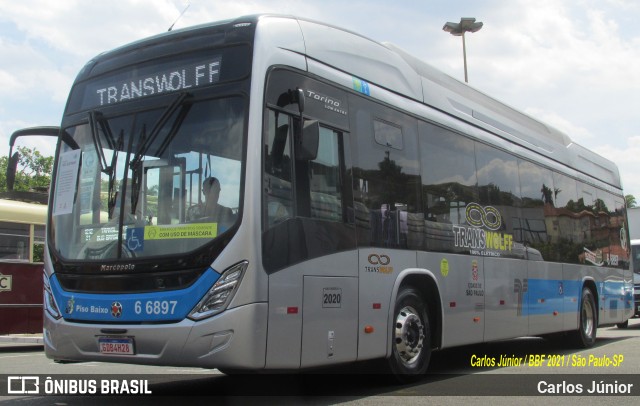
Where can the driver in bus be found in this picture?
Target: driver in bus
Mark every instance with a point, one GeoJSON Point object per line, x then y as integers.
{"type": "Point", "coordinates": [210, 210]}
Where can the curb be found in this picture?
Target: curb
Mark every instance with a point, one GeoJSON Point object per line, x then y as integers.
{"type": "Point", "coordinates": [21, 339]}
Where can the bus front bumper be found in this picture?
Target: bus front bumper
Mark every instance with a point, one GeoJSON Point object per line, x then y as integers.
{"type": "Point", "coordinates": [235, 338]}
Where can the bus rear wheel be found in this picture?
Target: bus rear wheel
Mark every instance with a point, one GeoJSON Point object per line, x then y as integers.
{"type": "Point", "coordinates": [410, 336]}
{"type": "Point", "coordinates": [585, 336]}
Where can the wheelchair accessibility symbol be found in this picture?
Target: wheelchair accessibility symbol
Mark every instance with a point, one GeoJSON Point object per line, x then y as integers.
{"type": "Point", "coordinates": [135, 239]}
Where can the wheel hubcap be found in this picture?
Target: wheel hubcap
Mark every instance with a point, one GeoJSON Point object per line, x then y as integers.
{"type": "Point", "coordinates": [408, 335]}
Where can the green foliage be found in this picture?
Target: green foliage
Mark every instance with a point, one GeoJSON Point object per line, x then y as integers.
{"type": "Point", "coordinates": [630, 200]}
{"type": "Point", "coordinates": [33, 172]}
{"type": "Point", "coordinates": [38, 253]}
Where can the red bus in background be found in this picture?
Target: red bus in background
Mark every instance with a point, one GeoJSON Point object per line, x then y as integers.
{"type": "Point", "coordinates": [22, 238]}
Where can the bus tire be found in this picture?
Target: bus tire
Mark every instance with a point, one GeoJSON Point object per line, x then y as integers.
{"type": "Point", "coordinates": [410, 337]}
{"type": "Point", "coordinates": [624, 324]}
{"type": "Point", "coordinates": [585, 335]}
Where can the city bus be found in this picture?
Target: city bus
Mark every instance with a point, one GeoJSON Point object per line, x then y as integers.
{"type": "Point", "coordinates": [22, 238]}
{"type": "Point", "coordinates": [380, 209]}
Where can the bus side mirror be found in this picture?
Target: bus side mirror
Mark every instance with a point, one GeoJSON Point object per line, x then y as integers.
{"type": "Point", "coordinates": [308, 144]}
{"type": "Point", "coordinates": [12, 167]}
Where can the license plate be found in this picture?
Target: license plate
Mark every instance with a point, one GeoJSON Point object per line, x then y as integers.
{"type": "Point", "coordinates": [116, 345]}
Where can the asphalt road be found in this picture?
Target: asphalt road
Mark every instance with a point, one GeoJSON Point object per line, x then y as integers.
{"type": "Point", "coordinates": [466, 375]}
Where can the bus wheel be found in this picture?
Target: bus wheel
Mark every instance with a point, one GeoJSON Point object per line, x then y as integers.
{"type": "Point", "coordinates": [411, 337]}
{"type": "Point", "coordinates": [585, 336]}
{"type": "Point", "coordinates": [625, 324]}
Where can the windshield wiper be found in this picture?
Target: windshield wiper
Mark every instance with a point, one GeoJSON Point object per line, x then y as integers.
{"type": "Point", "coordinates": [96, 119]}
{"type": "Point", "coordinates": [136, 168]}
{"type": "Point", "coordinates": [146, 141]}
{"type": "Point", "coordinates": [111, 172]}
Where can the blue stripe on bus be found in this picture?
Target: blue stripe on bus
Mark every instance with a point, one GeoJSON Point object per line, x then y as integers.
{"type": "Point", "coordinates": [167, 306]}
{"type": "Point", "coordinates": [545, 296]}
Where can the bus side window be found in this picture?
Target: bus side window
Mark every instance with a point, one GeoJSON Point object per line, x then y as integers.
{"type": "Point", "coordinates": [386, 176]}
{"type": "Point", "coordinates": [325, 183]}
{"type": "Point", "coordinates": [449, 184]}
{"type": "Point", "coordinates": [537, 189]}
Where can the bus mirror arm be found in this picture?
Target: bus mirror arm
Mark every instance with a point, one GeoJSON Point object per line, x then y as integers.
{"type": "Point", "coordinates": [290, 97]}
{"type": "Point", "coordinates": [298, 97]}
{"type": "Point", "coordinates": [12, 164]}
{"type": "Point", "coordinates": [307, 132]}
{"type": "Point", "coordinates": [12, 167]}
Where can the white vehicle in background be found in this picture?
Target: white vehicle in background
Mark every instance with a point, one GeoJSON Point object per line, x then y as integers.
{"type": "Point", "coordinates": [633, 219]}
{"type": "Point", "coordinates": [635, 263]}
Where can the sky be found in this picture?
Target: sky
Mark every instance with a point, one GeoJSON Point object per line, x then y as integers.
{"type": "Point", "coordinates": [572, 64]}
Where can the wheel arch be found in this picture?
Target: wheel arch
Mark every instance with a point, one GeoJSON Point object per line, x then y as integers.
{"type": "Point", "coordinates": [590, 284]}
{"type": "Point", "coordinates": [426, 283]}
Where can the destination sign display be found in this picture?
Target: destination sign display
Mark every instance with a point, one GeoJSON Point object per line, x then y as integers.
{"type": "Point", "coordinates": [153, 80]}
{"type": "Point", "coordinates": [154, 77]}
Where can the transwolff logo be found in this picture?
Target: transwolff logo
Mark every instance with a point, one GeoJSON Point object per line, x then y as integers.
{"type": "Point", "coordinates": [380, 264]}
{"type": "Point", "coordinates": [482, 234]}
{"type": "Point", "coordinates": [118, 267]}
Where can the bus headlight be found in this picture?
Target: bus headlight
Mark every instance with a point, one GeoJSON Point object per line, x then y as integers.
{"type": "Point", "coordinates": [220, 294]}
{"type": "Point", "coordinates": [49, 301]}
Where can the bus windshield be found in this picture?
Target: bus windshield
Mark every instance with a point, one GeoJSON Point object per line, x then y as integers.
{"type": "Point", "coordinates": [160, 181]}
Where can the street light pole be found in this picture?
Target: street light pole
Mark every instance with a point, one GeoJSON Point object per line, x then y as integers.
{"type": "Point", "coordinates": [458, 29]}
{"type": "Point", "coordinates": [464, 57]}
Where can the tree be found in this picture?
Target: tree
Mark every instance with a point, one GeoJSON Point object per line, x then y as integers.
{"type": "Point", "coordinates": [546, 194]}
{"type": "Point", "coordinates": [33, 172]}
{"type": "Point", "coordinates": [630, 200]}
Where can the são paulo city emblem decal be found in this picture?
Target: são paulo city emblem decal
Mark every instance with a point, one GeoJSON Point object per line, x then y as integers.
{"type": "Point", "coordinates": [116, 309]}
